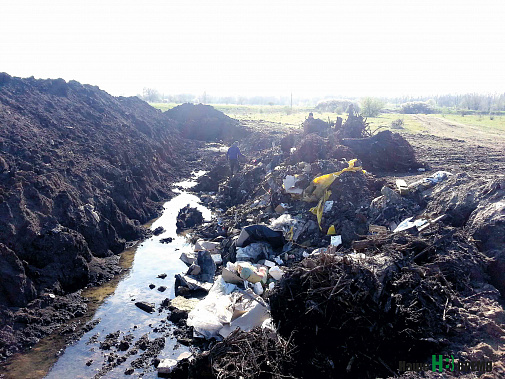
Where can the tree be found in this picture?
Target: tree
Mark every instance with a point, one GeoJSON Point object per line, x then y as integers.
{"type": "Point", "coordinates": [371, 106]}
{"type": "Point", "coordinates": [150, 95]}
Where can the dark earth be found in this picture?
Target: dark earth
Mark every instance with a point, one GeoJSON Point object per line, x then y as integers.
{"type": "Point", "coordinates": [81, 172]}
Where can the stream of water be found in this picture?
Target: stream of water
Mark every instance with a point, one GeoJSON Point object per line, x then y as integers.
{"type": "Point", "coordinates": [118, 311]}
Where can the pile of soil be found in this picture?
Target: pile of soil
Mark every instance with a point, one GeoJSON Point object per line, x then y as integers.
{"type": "Point", "coordinates": [311, 148]}
{"type": "Point", "coordinates": [315, 125]}
{"type": "Point", "coordinates": [385, 151]}
{"type": "Point", "coordinates": [80, 172]}
{"type": "Point", "coordinates": [205, 123]}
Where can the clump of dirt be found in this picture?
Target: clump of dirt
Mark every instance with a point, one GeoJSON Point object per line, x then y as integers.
{"type": "Point", "coordinates": [188, 217]}
{"type": "Point", "coordinates": [205, 123]}
{"type": "Point", "coordinates": [311, 148]}
{"type": "Point", "coordinates": [385, 151]}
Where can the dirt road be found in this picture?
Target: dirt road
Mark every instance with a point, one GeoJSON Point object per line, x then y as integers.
{"type": "Point", "coordinates": [448, 145]}
{"type": "Point", "coordinates": [475, 135]}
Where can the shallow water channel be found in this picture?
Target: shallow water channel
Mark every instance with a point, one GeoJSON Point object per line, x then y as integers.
{"type": "Point", "coordinates": [118, 311]}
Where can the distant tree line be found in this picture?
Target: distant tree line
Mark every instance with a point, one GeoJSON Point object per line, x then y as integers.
{"type": "Point", "coordinates": [368, 106]}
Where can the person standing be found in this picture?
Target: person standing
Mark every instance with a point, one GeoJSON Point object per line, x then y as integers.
{"type": "Point", "coordinates": [232, 155]}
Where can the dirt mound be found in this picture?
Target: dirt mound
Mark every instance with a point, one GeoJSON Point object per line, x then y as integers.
{"type": "Point", "coordinates": [311, 148]}
{"type": "Point", "coordinates": [205, 123]}
{"type": "Point", "coordinates": [315, 125]}
{"type": "Point", "coordinates": [351, 196]}
{"type": "Point", "coordinates": [385, 151]}
{"type": "Point", "coordinates": [80, 172]}
{"type": "Point", "coordinates": [477, 204]}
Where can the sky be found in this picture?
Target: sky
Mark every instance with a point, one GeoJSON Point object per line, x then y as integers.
{"type": "Point", "coordinates": [239, 47]}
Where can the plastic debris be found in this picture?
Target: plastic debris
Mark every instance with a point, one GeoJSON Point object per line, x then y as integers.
{"type": "Point", "coordinates": [218, 260]}
{"type": "Point", "coordinates": [254, 252]}
{"type": "Point", "coordinates": [258, 288]}
{"type": "Point", "coordinates": [166, 366]}
{"type": "Point", "coordinates": [258, 233]}
{"type": "Point", "coordinates": [336, 240]}
{"type": "Point", "coordinates": [427, 183]}
{"type": "Point", "coordinates": [276, 273]}
{"type": "Point", "coordinates": [289, 185]}
{"type": "Point", "coordinates": [408, 224]}
{"type": "Point", "coordinates": [212, 247]}
{"type": "Point", "coordinates": [319, 185]}
{"type": "Point", "coordinates": [327, 206]}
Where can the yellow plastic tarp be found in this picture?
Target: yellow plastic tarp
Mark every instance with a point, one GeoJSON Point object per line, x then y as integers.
{"type": "Point", "coordinates": [318, 210]}
{"type": "Point", "coordinates": [319, 185]}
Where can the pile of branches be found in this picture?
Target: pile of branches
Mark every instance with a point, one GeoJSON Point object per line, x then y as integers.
{"type": "Point", "coordinates": [359, 317]}
{"type": "Point", "coordinates": [356, 126]}
{"type": "Point", "coordinates": [254, 354]}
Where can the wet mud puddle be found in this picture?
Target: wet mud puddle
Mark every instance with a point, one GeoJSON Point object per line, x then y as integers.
{"type": "Point", "coordinates": [86, 358]}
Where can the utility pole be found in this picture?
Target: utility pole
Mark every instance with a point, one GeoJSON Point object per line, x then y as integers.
{"type": "Point", "coordinates": [291, 100]}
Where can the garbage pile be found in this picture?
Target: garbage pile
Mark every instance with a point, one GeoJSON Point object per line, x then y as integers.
{"type": "Point", "coordinates": [358, 273]}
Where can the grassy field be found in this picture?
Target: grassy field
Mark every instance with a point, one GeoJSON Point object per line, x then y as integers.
{"type": "Point", "coordinates": [490, 123]}
{"type": "Point", "coordinates": [294, 117]}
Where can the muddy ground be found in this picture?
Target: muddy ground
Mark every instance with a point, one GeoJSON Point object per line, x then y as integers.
{"type": "Point", "coordinates": [81, 172]}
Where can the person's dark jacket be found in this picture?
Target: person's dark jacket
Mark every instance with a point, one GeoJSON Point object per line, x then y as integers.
{"type": "Point", "coordinates": [234, 153]}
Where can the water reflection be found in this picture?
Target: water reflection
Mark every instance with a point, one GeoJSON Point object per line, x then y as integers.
{"type": "Point", "coordinates": [118, 312]}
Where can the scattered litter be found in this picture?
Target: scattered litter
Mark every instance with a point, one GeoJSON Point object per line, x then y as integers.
{"type": "Point", "coordinates": [184, 304]}
{"type": "Point", "coordinates": [327, 206]}
{"type": "Point", "coordinates": [402, 186]}
{"type": "Point", "coordinates": [336, 240]}
{"type": "Point", "coordinates": [254, 252]}
{"type": "Point", "coordinates": [257, 233]}
{"type": "Point", "coordinates": [289, 185]}
{"type": "Point", "coordinates": [218, 260]}
{"type": "Point", "coordinates": [166, 366]}
{"type": "Point", "coordinates": [427, 183]}
{"type": "Point", "coordinates": [194, 269]}
{"type": "Point", "coordinates": [212, 247]}
{"type": "Point", "coordinates": [188, 258]}
{"type": "Point", "coordinates": [276, 273]}
{"type": "Point", "coordinates": [408, 224]}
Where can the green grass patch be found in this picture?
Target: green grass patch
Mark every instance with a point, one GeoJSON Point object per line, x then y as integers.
{"type": "Point", "coordinates": [491, 123]}
{"type": "Point", "coordinates": [294, 117]}
{"type": "Point", "coordinates": [164, 106]}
